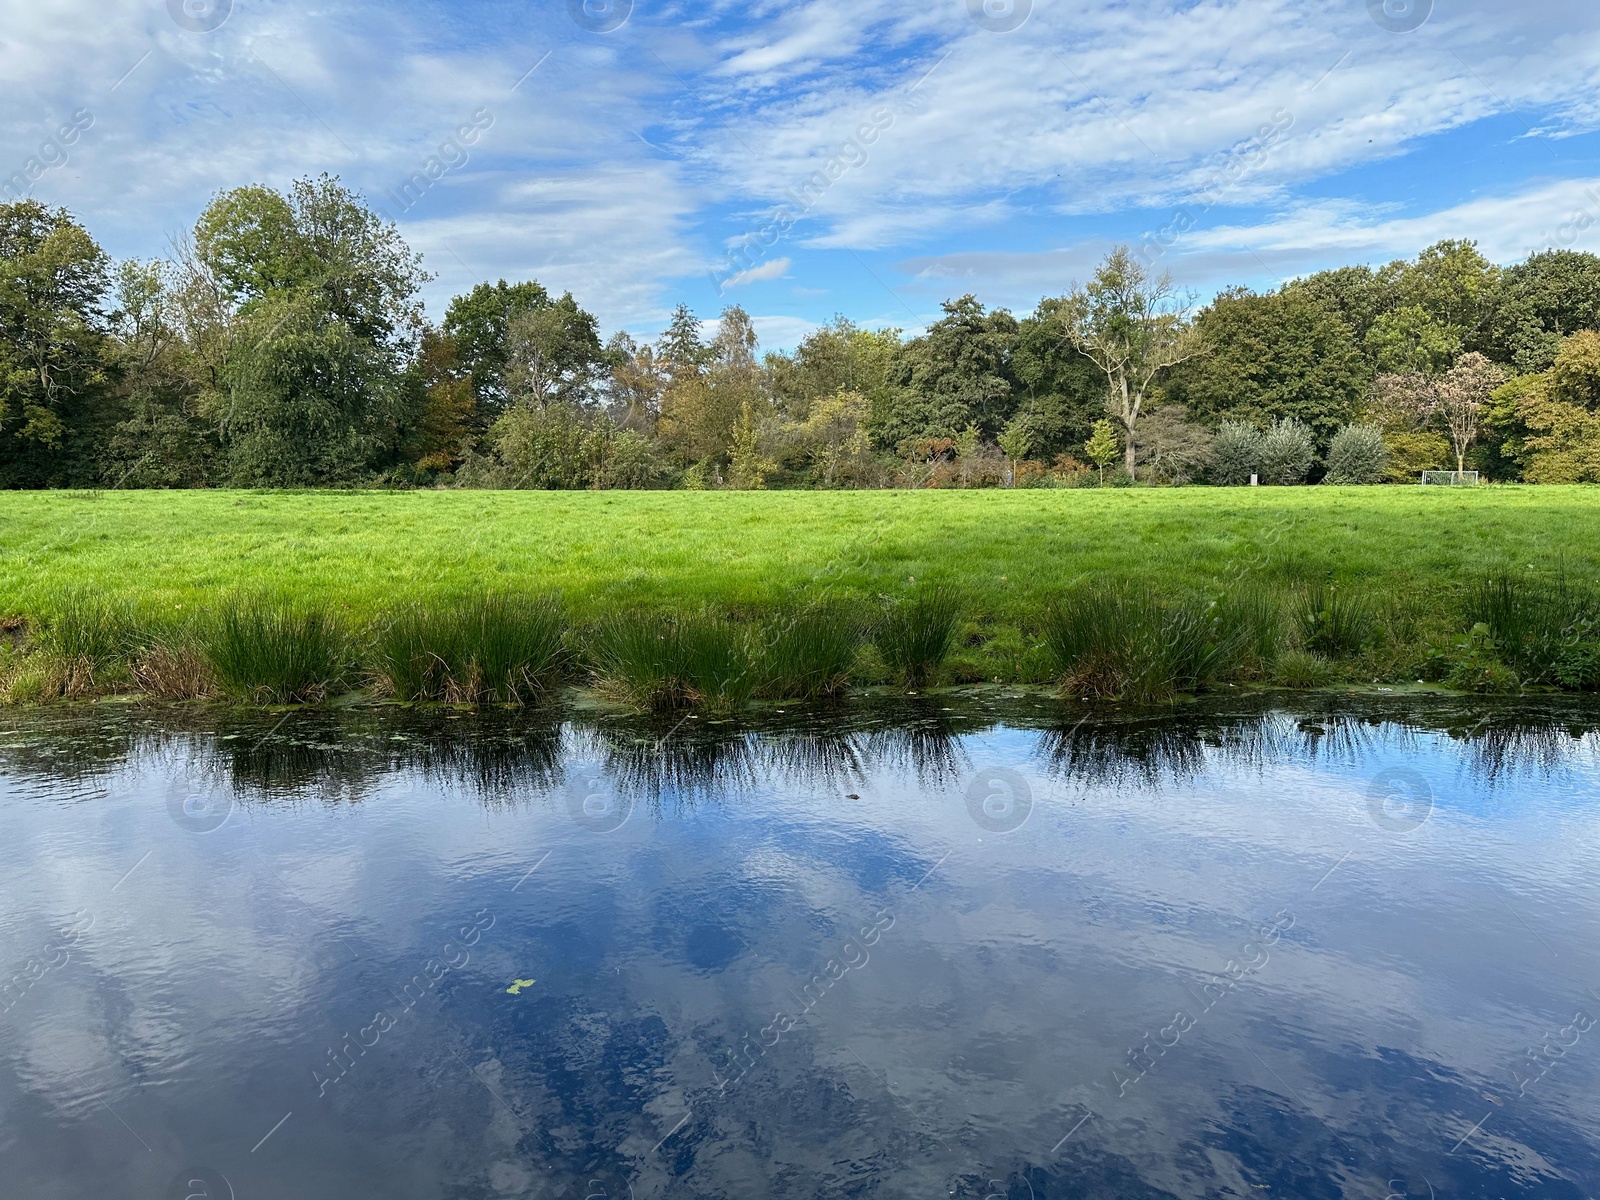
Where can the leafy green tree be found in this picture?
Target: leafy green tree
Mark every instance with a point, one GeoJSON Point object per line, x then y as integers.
{"type": "Point", "coordinates": [955, 376]}
{"type": "Point", "coordinates": [258, 243]}
{"type": "Point", "coordinates": [1271, 357]}
{"type": "Point", "coordinates": [555, 356]}
{"type": "Point", "coordinates": [308, 402]}
{"type": "Point", "coordinates": [479, 324]}
{"type": "Point", "coordinates": [1357, 296]}
{"type": "Point", "coordinates": [1135, 329]}
{"type": "Point", "coordinates": [1542, 300]}
{"type": "Point", "coordinates": [53, 281]}
{"type": "Point", "coordinates": [1453, 283]}
{"type": "Point", "coordinates": [838, 357]}
{"type": "Point", "coordinates": [702, 406]}
{"type": "Point", "coordinates": [1060, 393]}
{"type": "Point", "coordinates": [1103, 446]}
{"type": "Point", "coordinates": [161, 438]}
{"type": "Point", "coordinates": [748, 467]}
{"type": "Point", "coordinates": [1410, 340]}
{"type": "Point", "coordinates": [323, 319]}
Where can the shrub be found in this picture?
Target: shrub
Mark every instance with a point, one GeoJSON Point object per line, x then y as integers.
{"type": "Point", "coordinates": [916, 634]}
{"type": "Point", "coordinates": [1236, 454]}
{"type": "Point", "coordinates": [1127, 643]}
{"type": "Point", "coordinates": [1287, 452]}
{"type": "Point", "coordinates": [807, 653]}
{"type": "Point", "coordinates": [487, 649]}
{"type": "Point", "coordinates": [277, 653]}
{"type": "Point", "coordinates": [1357, 454]}
{"type": "Point", "coordinates": [662, 661]}
{"type": "Point", "coordinates": [1333, 623]}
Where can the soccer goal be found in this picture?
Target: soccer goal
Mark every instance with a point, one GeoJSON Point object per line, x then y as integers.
{"type": "Point", "coordinates": [1451, 478]}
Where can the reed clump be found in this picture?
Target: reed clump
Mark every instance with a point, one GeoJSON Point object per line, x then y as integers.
{"type": "Point", "coordinates": [278, 652]}
{"type": "Point", "coordinates": [916, 634]}
{"type": "Point", "coordinates": [1546, 629]}
{"type": "Point", "coordinates": [1128, 642]}
{"type": "Point", "coordinates": [1334, 623]}
{"type": "Point", "coordinates": [80, 648]}
{"type": "Point", "coordinates": [808, 653]}
{"type": "Point", "coordinates": [666, 661]}
{"type": "Point", "coordinates": [492, 649]}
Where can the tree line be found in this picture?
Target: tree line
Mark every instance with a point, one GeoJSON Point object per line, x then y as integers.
{"type": "Point", "coordinates": [284, 344]}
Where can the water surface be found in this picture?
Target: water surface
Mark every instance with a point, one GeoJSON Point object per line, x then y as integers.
{"type": "Point", "coordinates": [968, 947]}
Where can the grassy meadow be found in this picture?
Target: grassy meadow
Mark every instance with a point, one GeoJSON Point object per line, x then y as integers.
{"type": "Point", "coordinates": [1410, 558]}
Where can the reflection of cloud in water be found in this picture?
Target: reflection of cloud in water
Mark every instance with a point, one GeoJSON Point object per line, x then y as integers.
{"type": "Point", "coordinates": [1011, 982]}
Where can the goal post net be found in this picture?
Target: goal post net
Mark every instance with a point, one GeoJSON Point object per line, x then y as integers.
{"type": "Point", "coordinates": [1451, 478]}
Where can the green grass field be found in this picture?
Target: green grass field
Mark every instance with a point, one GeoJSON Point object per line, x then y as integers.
{"type": "Point", "coordinates": [1007, 550]}
{"type": "Point", "coordinates": [1407, 556]}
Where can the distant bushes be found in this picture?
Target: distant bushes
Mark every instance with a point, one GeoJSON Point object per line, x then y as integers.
{"type": "Point", "coordinates": [1357, 454]}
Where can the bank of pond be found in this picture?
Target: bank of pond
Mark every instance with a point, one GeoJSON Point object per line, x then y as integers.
{"type": "Point", "coordinates": [1122, 640]}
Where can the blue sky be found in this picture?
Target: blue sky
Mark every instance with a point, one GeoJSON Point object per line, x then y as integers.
{"type": "Point", "coordinates": [1000, 151]}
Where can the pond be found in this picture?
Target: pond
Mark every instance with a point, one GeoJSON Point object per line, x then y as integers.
{"type": "Point", "coordinates": [957, 946]}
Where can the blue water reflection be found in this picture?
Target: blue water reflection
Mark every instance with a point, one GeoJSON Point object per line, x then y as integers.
{"type": "Point", "coordinates": [965, 947]}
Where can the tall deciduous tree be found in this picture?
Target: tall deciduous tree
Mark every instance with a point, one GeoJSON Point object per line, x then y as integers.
{"type": "Point", "coordinates": [1460, 396]}
{"type": "Point", "coordinates": [53, 280]}
{"type": "Point", "coordinates": [1134, 328]}
{"type": "Point", "coordinates": [325, 320]}
{"type": "Point", "coordinates": [1274, 356]}
{"type": "Point", "coordinates": [955, 377]}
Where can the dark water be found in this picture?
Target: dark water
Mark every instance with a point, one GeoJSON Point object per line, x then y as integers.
{"type": "Point", "coordinates": [959, 947]}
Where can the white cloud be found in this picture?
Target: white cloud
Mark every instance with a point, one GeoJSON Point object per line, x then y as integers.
{"type": "Point", "coordinates": [773, 269]}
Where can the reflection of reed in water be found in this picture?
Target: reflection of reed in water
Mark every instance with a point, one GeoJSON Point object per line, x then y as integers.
{"type": "Point", "coordinates": [1177, 746]}
{"type": "Point", "coordinates": [1109, 750]}
{"type": "Point", "coordinates": [1510, 747]}
{"type": "Point", "coordinates": [833, 762]}
{"type": "Point", "coordinates": [499, 758]}
{"type": "Point", "coordinates": [496, 756]}
{"type": "Point", "coordinates": [921, 735]}
{"type": "Point", "coordinates": [651, 757]}
{"type": "Point", "coordinates": [304, 755]}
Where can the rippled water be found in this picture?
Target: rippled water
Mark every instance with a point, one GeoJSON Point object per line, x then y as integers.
{"type": "Point", "coordinates": [955, 947]}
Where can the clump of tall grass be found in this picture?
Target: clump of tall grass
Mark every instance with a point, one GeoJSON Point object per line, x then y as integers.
{"type": "Point", "coordinates": [276, 652]}
{"type": "Point", "coordinates": [84, 639]}
{"type": "Point", "coordinates": [806, 654]}
{"type": "Point", "coordinates": [485, 649]}
{"type": "Point", "coordinates": [1254, 618]}
{"type": "Point", "coordinates": [1127, 642]}
{"type": "Point", "coordinates": [1544, 629]}
{"type": "Point", "coordinates": [1334, 623]}
{"type": "Point", "coordinates": [84, 627]}
{"type": "Point", "coordinates": [916, 634]}
{"type": "Point", "coordinates": [664, 661]}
